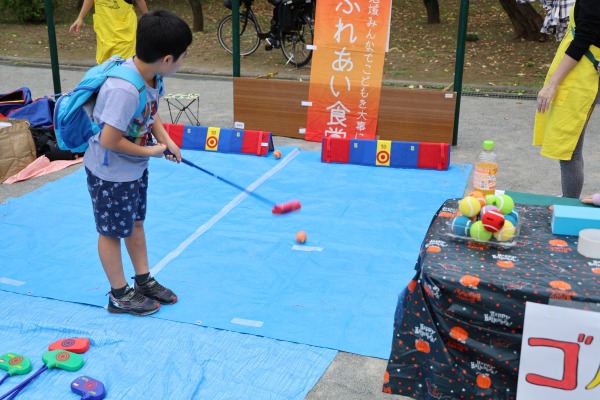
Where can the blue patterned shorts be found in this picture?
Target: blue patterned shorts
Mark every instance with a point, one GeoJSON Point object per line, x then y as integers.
{"type": "Point", "coordinates": [117, 205]}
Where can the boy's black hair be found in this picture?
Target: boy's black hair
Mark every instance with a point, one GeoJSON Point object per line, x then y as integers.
{"type": "Point", "coordinates": [161, 33]}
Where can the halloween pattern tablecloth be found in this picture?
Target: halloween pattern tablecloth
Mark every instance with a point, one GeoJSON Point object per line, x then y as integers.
{"type": "Point", "coordinates": [458, 323]}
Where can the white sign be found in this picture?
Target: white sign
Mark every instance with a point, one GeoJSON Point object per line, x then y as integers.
{"type": "Point", "coordinates": [560, 354]}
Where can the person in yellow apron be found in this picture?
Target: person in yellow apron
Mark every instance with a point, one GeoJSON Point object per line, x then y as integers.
{"type": "Point", "coordinates": [115, 24]}
{"type": "Point", "coordinates": [569, 95]}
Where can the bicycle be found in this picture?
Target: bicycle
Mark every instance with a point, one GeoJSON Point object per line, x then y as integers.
{"type": "Point", "coordinates": [295, 31]}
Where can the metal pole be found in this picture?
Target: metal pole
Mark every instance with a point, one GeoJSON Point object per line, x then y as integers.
{"type": "Point", "coordinates": [235, 21]}
{"type": "Point", "coordinates": [460, 62]}
{"type": "Point", "coordinates": [52, 45]}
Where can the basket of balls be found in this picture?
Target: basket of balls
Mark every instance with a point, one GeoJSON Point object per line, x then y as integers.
{"type": "Point", "coordinates": [491, 219]}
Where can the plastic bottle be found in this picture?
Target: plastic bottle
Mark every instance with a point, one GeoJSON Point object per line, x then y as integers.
{"type": "Point", "coordinates": [486, 167]}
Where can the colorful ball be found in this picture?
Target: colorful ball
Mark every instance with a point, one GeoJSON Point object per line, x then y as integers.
{"type": "Point", "coordinates": [301, 237]}
{"type": "Point", "coordinates": [492, 200]}
{"type": "Point", "coordinates": [277, 154]}
{"type": "Point", "coordinates": [487, 209]}
{"type": "Point", "coordinates": [479, 196]}
{"type": "Point", "coordinates": [469, 206]}
{"type": "Point", "coordinates": [492, 220]}
{"type": "Point", "coordinates": [505, 204]}
{"type": "Point", "coordinates": [478, 232]}
{"type": "Point", "coordinates": [513, 217]}
{"type": "Point", "coordinates": [461, 225]}
{"type": "Point", "coordinates": [506, 233]}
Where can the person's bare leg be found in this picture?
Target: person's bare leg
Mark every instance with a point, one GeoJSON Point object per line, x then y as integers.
{"type": "Point", "coordinates": [136, 247]}
{"type": "Point", "coordinates": [109, 250]}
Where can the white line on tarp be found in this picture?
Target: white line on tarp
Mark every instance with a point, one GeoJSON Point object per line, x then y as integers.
{"type": "Point", "coordinates": [247, 322]}
{"type": "Point", "coordinates": [12, 282]}
{"type": "Point", "coordinates": [306, 248]}
{"type": "Point", "coordinates": [224, 211]}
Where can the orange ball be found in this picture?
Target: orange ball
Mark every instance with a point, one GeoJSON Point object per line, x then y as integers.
{"type": "Point", "coordinates": [277, 154]}
{"type": "Point", "coordinates": [479, 196]}
{"type": "Point", "coordinates": [301, 237]}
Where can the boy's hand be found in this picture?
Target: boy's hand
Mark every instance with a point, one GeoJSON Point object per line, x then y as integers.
{"type": "Point", "coordinates": [156, 150]}
{"type": "Point", "coordinates": [173, 154]}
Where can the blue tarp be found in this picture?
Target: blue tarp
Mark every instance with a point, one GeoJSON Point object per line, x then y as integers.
{"type": "Point", "coordinates": [236, 266]}
{"type": "Point", "coordinates": [149, 358]}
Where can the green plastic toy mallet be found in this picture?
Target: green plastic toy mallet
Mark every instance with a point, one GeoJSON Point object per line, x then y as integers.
{"type": "Point", "coordinates": [14, 364]}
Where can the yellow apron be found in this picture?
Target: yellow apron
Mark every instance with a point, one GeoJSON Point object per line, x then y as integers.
{"type": "Point", "coordinates": [558, 129]}
{"type": "Point", "coordinates": [115, 24]}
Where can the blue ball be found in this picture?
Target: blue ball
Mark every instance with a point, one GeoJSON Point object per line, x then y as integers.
{"type": "Point", "coordinates": [512, 217]}
{"type": "Point", "coordinates": [461, 225]}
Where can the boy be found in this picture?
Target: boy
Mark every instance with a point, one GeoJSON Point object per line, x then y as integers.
{"type": "Point", "coordinates": [116, 161]}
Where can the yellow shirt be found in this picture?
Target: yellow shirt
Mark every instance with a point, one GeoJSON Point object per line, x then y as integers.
{"type": "Point", "coordinates": [115, 24]}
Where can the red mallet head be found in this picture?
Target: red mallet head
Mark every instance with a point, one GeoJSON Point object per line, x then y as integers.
{"type": "Point", "coordinates": [290, 206]}
{"type": "Point", "coordinates": [74, 345]}
{"type": "Point", "coordinates": [492, 220]}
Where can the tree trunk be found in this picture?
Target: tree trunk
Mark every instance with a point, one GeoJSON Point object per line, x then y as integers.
{"type": "Point", "coordinates": [198, 16]}
{"type": "Point", "coordinates": [525, 20]}
{"type": "Point", "coordinates": [433, 11]}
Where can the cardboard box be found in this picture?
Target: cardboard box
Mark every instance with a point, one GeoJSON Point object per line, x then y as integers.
{"type": "Point", "coordinates": [569, 220]}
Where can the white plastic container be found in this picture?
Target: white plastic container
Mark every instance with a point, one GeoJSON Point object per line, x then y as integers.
{"type": "Point", "coordinates": [589, 243]}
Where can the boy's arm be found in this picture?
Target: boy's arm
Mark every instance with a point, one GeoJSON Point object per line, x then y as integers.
{"type": "Point", "coordinates": [162, 136]}
{"type": "Point", "coordinates": [141, 4]}
{"type": "Point", "coordinates": [112, 139]}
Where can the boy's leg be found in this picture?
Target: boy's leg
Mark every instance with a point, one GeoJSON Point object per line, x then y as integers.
{"type": "Point", "coordinates": [128, 301]}
{"type": "Point", "coordinates": [138, 252]}
{"type": "Point", "coordinates": [109, 250]}
{"type": "Point", "coordinates": [137, 249]}
{"type": "Point", "coordinates": [143, 282]}
{"type": "Point", "coordinates": [110, 217]}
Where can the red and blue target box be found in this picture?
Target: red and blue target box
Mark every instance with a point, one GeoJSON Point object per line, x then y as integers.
{"type": "Point", "coordinates": [223, 140]}
{"type": "Point", "coordinates": [386, 153]}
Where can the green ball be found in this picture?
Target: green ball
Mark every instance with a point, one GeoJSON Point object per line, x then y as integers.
{"type": "Point", "coordinates": [506, 204]}
{"type": "Point", "coordinates": [479, 233]}
{"type": "Point", "coordinates": [492, 200]}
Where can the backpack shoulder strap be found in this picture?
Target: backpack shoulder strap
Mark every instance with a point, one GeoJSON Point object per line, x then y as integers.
{"type": "Point", "coordinates": [160, 85]}
{"type": "Point", "coordinates": [135, 79]}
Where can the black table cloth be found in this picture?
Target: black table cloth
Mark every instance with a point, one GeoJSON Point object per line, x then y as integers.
{"type": "Point", "coordinates": [458, 323]}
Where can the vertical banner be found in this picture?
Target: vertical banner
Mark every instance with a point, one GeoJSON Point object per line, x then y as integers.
{"type": "Point", "coordinates": [560, 351]}
{"type": "Point", "coordinates": [351, 37]}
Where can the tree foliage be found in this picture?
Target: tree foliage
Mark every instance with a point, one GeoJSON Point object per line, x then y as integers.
{"type": "Point", "coordinates": [26, 10]}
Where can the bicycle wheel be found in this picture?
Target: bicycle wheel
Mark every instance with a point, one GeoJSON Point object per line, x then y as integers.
{"type": "Point", "coordinates": [293, 43]}
{"type": "Point", "coordinates": [249, 40]}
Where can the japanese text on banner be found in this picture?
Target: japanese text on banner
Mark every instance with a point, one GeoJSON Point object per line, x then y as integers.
{"type": "Point", "coordinates": [351, 37]}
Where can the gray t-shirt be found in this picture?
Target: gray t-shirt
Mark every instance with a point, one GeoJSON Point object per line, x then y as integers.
{"type": "Point", "coordinates": [115, 105]}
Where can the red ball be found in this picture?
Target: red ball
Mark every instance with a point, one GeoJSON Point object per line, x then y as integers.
{"type": "Point", "coordinates": [492, 220]}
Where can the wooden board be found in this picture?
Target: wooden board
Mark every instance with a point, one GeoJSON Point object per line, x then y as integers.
{"type": "Point", "coordinates": [410, 115]}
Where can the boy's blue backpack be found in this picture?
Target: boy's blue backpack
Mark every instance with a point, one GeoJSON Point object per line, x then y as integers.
{"type": "Point", "coordinates": [73, 123]}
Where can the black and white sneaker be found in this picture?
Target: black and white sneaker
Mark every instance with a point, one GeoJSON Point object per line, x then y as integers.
{"type": "Point", "coordinates": [155, 291]}
{"type": "Point", "coordinates": [132, 302]}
